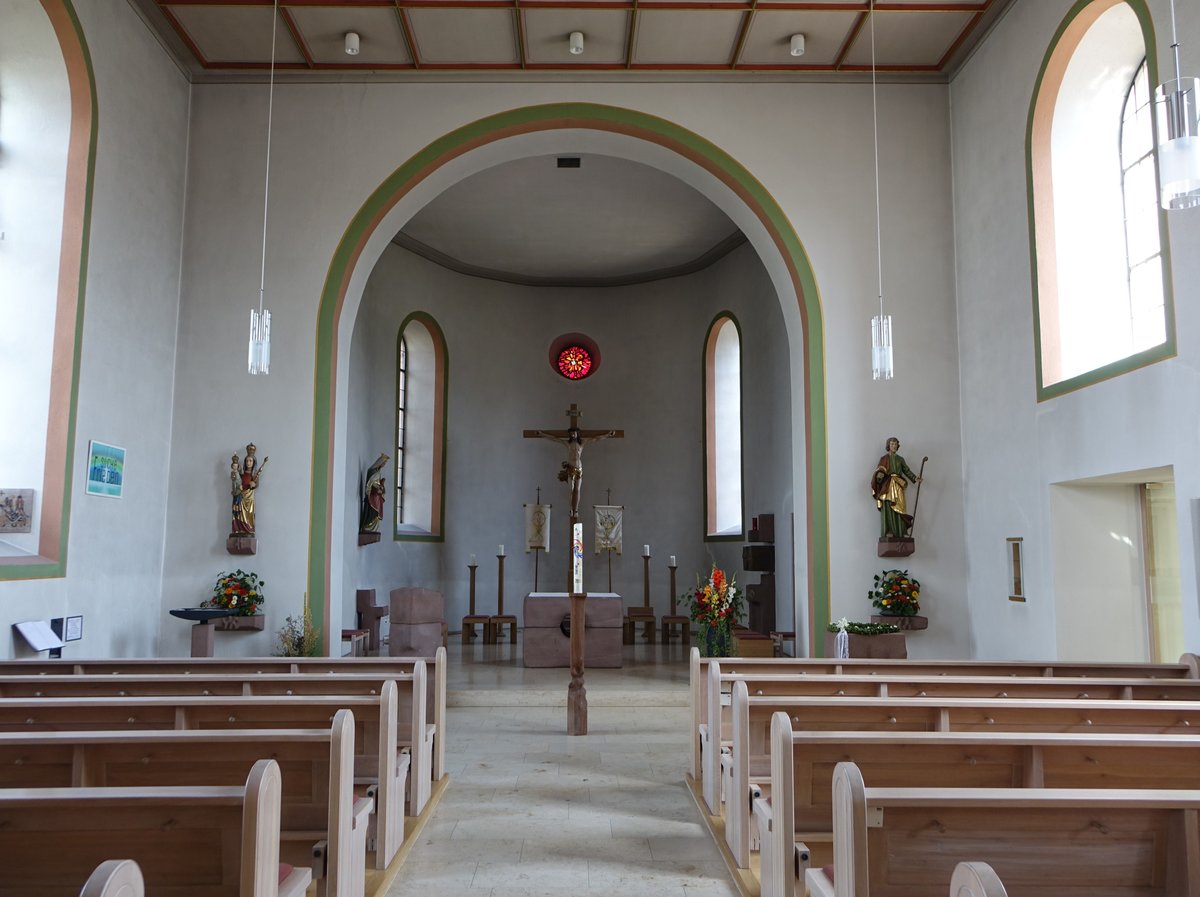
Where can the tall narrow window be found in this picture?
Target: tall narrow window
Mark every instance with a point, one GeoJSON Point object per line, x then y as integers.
{"type": "Point", "coordinates": [1099, 238]}
{"type": "Point", "coordinates": [723, 429]}
{"type": "Point", "coordinates": [421, 370]}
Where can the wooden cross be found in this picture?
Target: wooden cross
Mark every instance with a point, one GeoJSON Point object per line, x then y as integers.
{"type": "Point", "coordinates": [574, 439]}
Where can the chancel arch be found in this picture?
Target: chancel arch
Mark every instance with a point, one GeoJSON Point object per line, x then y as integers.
{"type": "Point", "coordinates": [550, 129]}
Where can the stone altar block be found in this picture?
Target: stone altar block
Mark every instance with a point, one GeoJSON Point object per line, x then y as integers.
{"type": "Point", "coordinates": [546, 645]}
{"type": "Point", "coordinates": [416, 617]}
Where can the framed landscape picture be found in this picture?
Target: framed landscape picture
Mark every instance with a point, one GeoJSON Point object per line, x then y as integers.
{"type": "Point", "coordinates": [106, 469]}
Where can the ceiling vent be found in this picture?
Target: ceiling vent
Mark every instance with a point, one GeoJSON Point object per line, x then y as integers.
{"type": "Point", "coordinates": [568, 162]}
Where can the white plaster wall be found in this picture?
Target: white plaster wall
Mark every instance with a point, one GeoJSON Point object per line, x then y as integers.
{"type": "Point", "coordinates": [114, 561]}
{"type": "Point", "coordinates": [651, 338]}
{"type": "Point", "coordinates": [1014, 448]}
{"type": "Point", "coordinates": [808, 144]}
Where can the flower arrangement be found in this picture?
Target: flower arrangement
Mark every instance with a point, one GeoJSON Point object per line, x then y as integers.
{"type": "Point", "coordinates": [239, 591]}
{"type": "Point", "coordinates": [716, 604]}
{"type": "Point", "coordinates": [297, 637]}
{"type": "Point", "coordinates": [896, 593]}
{"type": "Point", "coordinates": [862, 628]}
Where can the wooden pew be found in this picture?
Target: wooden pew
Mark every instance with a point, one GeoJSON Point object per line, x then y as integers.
{"type": "Point", "coordinates": [888, 684]}
{"type": "Point", "coordinates": [1054, 842]}
{"type": "Point", "coordinates": [375, 719]}
{"type": "Point", "coordinates": [1187, 668]}
{"type": "Point", "coordinates": [115, 878]}
{"type": "Point", "coordinates": [753, 718]}
{"type": "Point", "coordinates": [217, 841]}
{"type": "Point", "coordinates": [383, 667]}
{"type": "Point", "coordinates": [975, 879]}
{"type": "Point", "coordinates": [940, 759]}
{"type": "Point", "coordinates": [322, 824]}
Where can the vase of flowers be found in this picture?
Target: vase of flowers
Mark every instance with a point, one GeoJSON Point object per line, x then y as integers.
{"type": "Point", "coordinates": [238, 591]}
{"type": "Point", "coordinates": [716, 604]}
{"type": "Point", "coordinates": [895, 594]}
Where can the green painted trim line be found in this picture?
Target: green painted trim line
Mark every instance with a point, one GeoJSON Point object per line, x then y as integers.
{"type": "Point", "coordinates": [585, 116]}
{"type": "Point", "coordinates": [1165, 350]}
{"type": "Point", "coordinates": [58, 569]}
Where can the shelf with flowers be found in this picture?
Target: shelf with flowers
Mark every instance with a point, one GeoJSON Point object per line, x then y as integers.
{"type": "Point", "coordinates": [716, 604]}
{"type": "Point", "coordinates": [897, 595]}
{"type": "Point", "coordinates": [242, 593]}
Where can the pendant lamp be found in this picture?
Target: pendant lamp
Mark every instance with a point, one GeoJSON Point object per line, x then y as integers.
{"type": "Point", "coordinates": [259, 356]}
{"type": "Point", "coordinates": [881, 324]}
{"type": "Point", "coordinates": [1178, 136]}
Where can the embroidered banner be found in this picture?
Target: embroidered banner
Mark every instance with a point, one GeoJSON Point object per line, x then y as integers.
{"type": "Point", "coordinates": [608, 527]}
{"type": "Point", "coordinates": [537, 528]}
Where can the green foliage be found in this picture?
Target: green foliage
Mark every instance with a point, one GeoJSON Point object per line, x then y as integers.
{"type": "Point", "coordinates": [896, 593]}
{"type": "Point", "coordinates": [863, 628]}
{"type": "Point", "coordinates": [297, 637]}
{"type": "Point", "coordinates": [239, 591]}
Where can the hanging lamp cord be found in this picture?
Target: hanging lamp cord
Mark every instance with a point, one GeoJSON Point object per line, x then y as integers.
{"type": "Point", "coordinates": [262, 277]}
{"type": "Point", "coordinates": [875, 121]}
{"type": "Point", "coordinates": [1175, 45]}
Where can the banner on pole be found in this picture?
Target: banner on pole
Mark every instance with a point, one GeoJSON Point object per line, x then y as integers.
{"type": "Point", "coordinates": [608, 527]}
{"type": "Point", "coordinates": [537, 528]}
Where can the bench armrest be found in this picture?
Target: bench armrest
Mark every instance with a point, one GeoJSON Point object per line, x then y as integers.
{"type": "Point", "coordinates": [296, 883]}
{"type": "Point", "coordinates": [818, 883]}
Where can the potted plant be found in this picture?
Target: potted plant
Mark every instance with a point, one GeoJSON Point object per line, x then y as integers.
{"type": "Point", "coordinates": [242, 593]}
{"type": "Point", "coordinates": [716, 604]}
{"type": "Point", "coordinates": [297, 637]}
{"type": "Point", "coordinates": [897, 595]}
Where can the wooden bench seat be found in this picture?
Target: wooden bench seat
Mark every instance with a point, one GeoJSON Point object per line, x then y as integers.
{"type": "Point", "coordinates": [1187, 668]}
{"type": "Point", "coordinates": [292, 667]}
{"type": "Point", "coordinates": [216, 841]}
{"type": "Point", "coordinates": [800, 785]}
{"type": "Point", "coordinates": [322, 824]}
{"type": "Point", "coordinates": [1052, 842]}
{"type": "Point", "coordinates": [377, 728]}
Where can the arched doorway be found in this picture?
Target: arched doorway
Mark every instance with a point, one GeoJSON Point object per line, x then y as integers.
{"type": "Point", "coordinates": [547, 129]}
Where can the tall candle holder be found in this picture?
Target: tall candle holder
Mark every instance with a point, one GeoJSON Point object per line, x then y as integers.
{"type": "Point", "coordinates": [501, 619]}
{"type": "Point", "coordinates": [674, 619]}
{"type": "Point", "coordinates": [469, 621]}
{"type": "Point", "coordinates": [645, 613]}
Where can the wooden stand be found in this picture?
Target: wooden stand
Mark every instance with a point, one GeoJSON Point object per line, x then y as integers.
{"type": "Point", "coordinates": [368, 538]}
{"type": "Point", "coordinates": [500, 619]}
{"type": "Point", "coordinates": [577, 715]}
{"type": "Point", "coordinates": [469, 621]}
{"type": "Point", "coordinates": [643, 614]}
{"type": "Point", "coordinates": [896, 547]}
{"type": "Point", "coordinates": [674, 618]}
{"type": "Point", "coordinates": [239, 544]}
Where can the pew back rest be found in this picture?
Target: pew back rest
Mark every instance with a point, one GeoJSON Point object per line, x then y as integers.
{"type": "Point", "coordinates": [214, 841]}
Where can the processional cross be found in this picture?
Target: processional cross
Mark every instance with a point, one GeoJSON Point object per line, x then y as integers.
{"type": "Point", "coordinates": [571, 473]}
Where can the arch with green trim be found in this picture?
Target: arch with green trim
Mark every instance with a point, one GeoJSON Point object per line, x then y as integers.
{"type": "Point", "coordinates": [350, 264]}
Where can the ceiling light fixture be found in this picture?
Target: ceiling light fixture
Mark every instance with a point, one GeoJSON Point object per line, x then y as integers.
{"type": "Point", "coordinates": [259, 360]}
{"type": "Point", "coordinates": [797, 45]}
{"type": "Point", "coordinates": [575, 43]}
{"type": "Point", "coordinates": [881, 324]}
{"type": "Point", "coordinates": [1179, 136]}
{"type": "Point", "coordinates": [351, 44]}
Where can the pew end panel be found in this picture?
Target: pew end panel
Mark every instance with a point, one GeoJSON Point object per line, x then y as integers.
{"type": "Point", "coordinates": [115, 878]}
{"type": "Point", "coordinates": [975, 879]}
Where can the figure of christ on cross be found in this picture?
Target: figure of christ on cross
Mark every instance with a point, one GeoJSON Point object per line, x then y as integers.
{"type": "Point", "coordinates": [574, 439]}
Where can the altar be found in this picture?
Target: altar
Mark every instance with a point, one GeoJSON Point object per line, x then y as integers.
{"type": "Point", "coordinates": [547, 641]}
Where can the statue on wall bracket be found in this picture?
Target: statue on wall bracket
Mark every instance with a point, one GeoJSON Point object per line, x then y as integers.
{"type": "Point", "coordinates": [374, 494]}
{"type": "Point", "coordinates": [243, 478]}
{"type": "Point", "coordinates": [889, 482]}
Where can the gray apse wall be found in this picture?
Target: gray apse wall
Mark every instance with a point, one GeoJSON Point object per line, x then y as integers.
{"type": "Point", "coordinates": [649, 384]}
{"type": "Point", "coordinates": [115, 552]}
{"type": "Point", "coordinates": [1013, 447]}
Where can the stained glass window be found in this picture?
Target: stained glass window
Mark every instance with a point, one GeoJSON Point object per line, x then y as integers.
{"type": "Point", "coordinates": [575, 362]}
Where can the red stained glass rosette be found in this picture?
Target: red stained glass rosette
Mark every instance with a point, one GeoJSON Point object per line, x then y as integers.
{"type": "Point", "coordinates": [575, 362]}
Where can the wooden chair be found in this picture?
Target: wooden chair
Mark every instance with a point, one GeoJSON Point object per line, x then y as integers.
{"type": "Point", "coordinates": [370, 616]}
{"type": "Point", "coordinates": [674, 618]}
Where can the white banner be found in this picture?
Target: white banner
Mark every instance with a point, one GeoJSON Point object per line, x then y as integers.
{"type": "Point", "coordinates": [537, 528]}
{"type": "Point", "coordinates": [608, 527]}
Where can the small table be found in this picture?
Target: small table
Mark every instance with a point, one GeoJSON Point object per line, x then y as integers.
{"type": "Point", "coordinates": [205, 619]}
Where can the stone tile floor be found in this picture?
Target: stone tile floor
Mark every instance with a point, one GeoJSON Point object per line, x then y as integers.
{"type": "Point", "coordinates": [531, 811]}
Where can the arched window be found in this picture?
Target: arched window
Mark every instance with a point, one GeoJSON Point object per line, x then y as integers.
{"type": "Point", "coordinates": [1099, 238]}
{"type": "Point", "coordinates": [420, 483]}
{"type": "Point", "coordinates": [48, 141]}
{"type": "Point", "coordinates": [723, 429]}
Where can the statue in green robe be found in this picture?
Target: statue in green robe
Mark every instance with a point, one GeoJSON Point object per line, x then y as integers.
{"type": "Point", "coordinates": [888, 484]}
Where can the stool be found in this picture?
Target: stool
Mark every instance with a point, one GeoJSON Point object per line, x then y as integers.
{"type": "Point", "coordinates": [634, 616]}
{"type": "Point", "coordinates": [468, 628]}
{"type": "Point", "coordinates": [498, 622]}
{"type": "Point", "coordinates": [370, 616]}
{"type": "Point", "coordinates": [685, 630]}
{"type": "Point", "coordinates": [359, 639]}
{"type": "Point", "coordinates": [778, 638]}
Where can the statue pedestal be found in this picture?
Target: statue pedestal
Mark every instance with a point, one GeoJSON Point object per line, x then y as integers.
{"type": "Point", "coordinates": [242, 544]}
{"type": "Point", "coordinates": [896, 547]}
{"type": "Point", "coordinates": [368, 538]}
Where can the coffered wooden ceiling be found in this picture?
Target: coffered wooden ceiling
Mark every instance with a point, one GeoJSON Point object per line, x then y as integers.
{"type": "Point", "coordinates": [216, 38]}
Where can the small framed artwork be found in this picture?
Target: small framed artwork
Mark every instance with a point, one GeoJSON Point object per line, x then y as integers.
{"type": "Point", "coordinates": [74, 629]}
{"type": "Point", "coordinates": [106, 469]}
{"type": "Point", "coordinates": [16, 510]}
{"type": "Point", "coordinates": [1016, 569]}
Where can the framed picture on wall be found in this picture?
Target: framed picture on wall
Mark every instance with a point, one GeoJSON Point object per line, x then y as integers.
{"type": "Point", "coordinates": [16, 510]}
{"type": "Point", "coordinates": [106, 469]}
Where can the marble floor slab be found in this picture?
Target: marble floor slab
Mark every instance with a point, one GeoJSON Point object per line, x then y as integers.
{"type": "Point", "coordinates": [531, 811]}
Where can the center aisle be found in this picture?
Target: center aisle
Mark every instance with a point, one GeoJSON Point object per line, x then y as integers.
{"type": "Point", "coordinates": [533, 811]}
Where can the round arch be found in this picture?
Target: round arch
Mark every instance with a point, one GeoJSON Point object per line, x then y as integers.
{"type": "Point", "coordinates": [511, 134]}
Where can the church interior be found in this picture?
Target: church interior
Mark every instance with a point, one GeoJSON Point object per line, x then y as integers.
{"type": "Point", "coordinates": [717, 254]}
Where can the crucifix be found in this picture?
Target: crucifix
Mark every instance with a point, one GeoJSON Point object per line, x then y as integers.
{"type": "Point", "coordinates": [571, 473]}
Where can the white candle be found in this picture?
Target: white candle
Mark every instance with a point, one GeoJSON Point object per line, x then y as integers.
{"type": "Point", "coordinates": [472, 560]}
{"type": "Point", "coordinates": [577, 558]}
{"type": "Point", "coordinates": [672, 564]}
{"type": "Point", "coordinates": [500, 551]}
{"type": "Point", "coordinates": [645, 551]}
